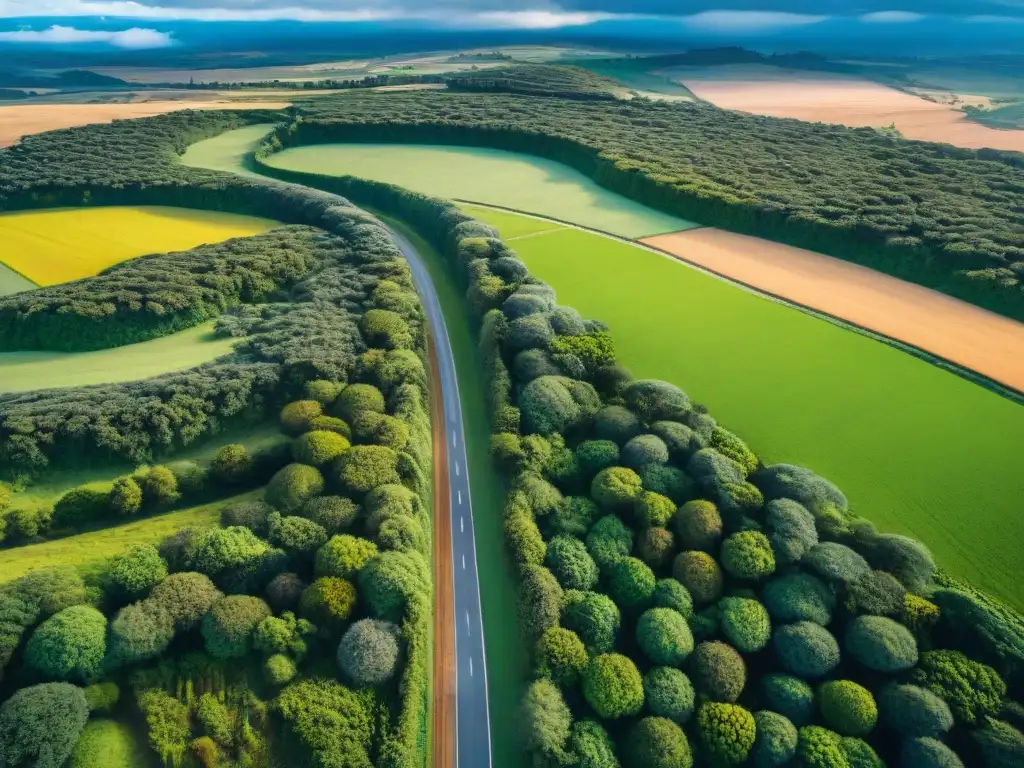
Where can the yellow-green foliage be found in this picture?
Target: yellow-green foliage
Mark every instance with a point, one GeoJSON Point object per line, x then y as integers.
{"type": "Point", "coordinates": [109, 744]}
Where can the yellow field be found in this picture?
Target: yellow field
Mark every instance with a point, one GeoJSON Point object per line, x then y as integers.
{"type": "Point", "coordinates": [60, 245]}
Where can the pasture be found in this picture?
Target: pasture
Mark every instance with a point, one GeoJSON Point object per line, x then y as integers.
{"type": "Point", "coordinates": [227, 152]}
{"type": "Point", "coordinates": [917, 450]}
{"type": "Point", "coordinates": [60, 245]}
{"type": "Point", "coordinates": [27, 371]}
{"type": "Point", "coordinates": [13, 282]}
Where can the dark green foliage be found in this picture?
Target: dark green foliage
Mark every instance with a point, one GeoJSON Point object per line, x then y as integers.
{"type": "Point", "coordinates": [727, 731]}
{"type": "Point", "coordinates": [681, 440]}
{"type": "Point", "coordinates": [80, 506]}
{"type": "Point", "coordinates": [789, 696]}
{"type": "Point", "coordinates": [657, 742]}
{"type": "Point", "coordinates": [616, 424]}
{"type": "Point", "coordinates": [135, 572]}
{"type": "Point", "coordinates": [698, 525]}
{"type": "Point", "coordinates": [573, 516]}
{"type": "Point", "coordinates": [700, 574]}
{"type": "Point", "coordinates": [717, 671]}
{"type": "Point", "coordinates": [913, 711]}
{"type": "Point", "coordinates": [69, 645]}
{"type": "Point", "coordinates": [544, 720]}
{"type": "Point", "coordinates": [630, 582]}
{"type": "Point", "coordinates": [102, 697]}
{"type": "Point", "coordinates": [859, 754]}
{"type": "Point", "coordinates": [613, 687]}
{"type": "Point", "coordinates": [284, 591]}
{"type": "Point", "coordinates": [231, 465]}
{"type": "Point", "coordinates": [655, 547]}
{"type": "Point", "coordinates": [668, 481]}
{"type": "Point", "coordinates": [790, 529]}
{"type": "Point", "coordinates": [391, 580]}
{"type": "Point", "coordinates": [185, 598]}
{"type": "Point", "coordinates": [799, 597]}
{"type": "Point", "coordinates": [836, 562]}
{"type": "Point", "coordinates": [326, 720]}
{"type": "Point", "coordinates": [363, 467]}
{"type": "Point", "coordinates": [40, 725]}
{"type": "Point", "coordinates": [567, 82]}
{"type": "Point", "coordinates": [776, 740]}
{"type": "Point", "coordinates": [880, 644]}
{"type": "Point", "coordinates": [561, 656]}
{"type": "Point", "coordinates": [806, 649]}
{"type": "Point", "coordinates": [368, 652]}
{"type": "Point", "coordinates": [297, 536]}
{"type": "Point", "coordinates": [249, 514]}
{"type": "Point", "coordinates": [595, 455]}
{"type": "Point", "coordinates": [878, 593]}
{"type": "Point", "coordinates": [926, 752]}
{"type": "Point", "coordinates": [190, 476]}
{"type": "Point", "coordinates": [669, 593]}
{"type": "Point", "coordinates": [1001, 745]}
{"type": "Point", "coordinates": [668, 693]}
{"type": "Point", "coordinates": [556, 404]}
{"type": "Point", "coordinates": [906, 559]}
{"type": "Point", "coordinates": [594, 617]}
{"type": "Point", "coordinates": [539, 601]}
{"type": "Point", "coordinates": [786, 481]}
{"type": "Point", "coordinates": [848, 708]}
{"type": "Point", "coordinates": [984, 628]}
{"type": "Point", "coordinates": [328, 602]}
{"type": "Point", "coordinates": [139, 631]}
{"type": "Point", "coordinates": [126, 497]}
{"type": "Point", "coordinates": [332, 513]}
{"type": "Point", "coordinates": [664, 636]}
{"type": "Point", "coordinates": [972, 690]}
{"type": "Point", "coordinates": [748, 555]}
{"type": "Point", "coordinates": [591, 745]}
{"type": "Point", "coordinates": [609, 540]}
{"type": "Point", "coordinates": [221, 552]}
{"type": "Point", "coordinates": [572, 565]}
{"type": "Point", "coordinates": [229, 625]}
{"type": "Point", "coordinates": [644, 449]}
{"type": "Point", "coordinates": [655, 400]}
{"type": "Point", "coordinates": [290, 488]}
{"type": "Point", "coordinates": [744, 623]}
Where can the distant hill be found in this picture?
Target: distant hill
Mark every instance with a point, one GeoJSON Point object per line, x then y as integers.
{"type": "Point", "coordinates": [72, 78]}
{"type": "Point", "coordinates": [13, 94]}
{"type": "Point", "coordinates": [536, 80]}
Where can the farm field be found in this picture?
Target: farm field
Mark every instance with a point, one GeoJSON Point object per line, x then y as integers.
{"type": "Point", "coordinates": [12, 282]}
{"type": "Point", "coordinates": [87, 551]}
{"type": "Point", "coordinates": [651, 83]}
{"type": "Point", "coordinates": [801, 390]}
{"type": "Point", "coordinates": [492, 176]}
{"type": "Point", "coordinates": [60, 245]}
{"type": "Point", "coordinates": [827, 98]}
{"type": "Point", "coordinates": [227, 152]}
{"type": "Point", "coordinates": [27, 371]}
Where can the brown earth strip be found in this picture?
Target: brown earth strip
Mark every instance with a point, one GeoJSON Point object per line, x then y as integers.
{"type": "Point", "coordinates": [443, 724]}
{"type": "Point", "coordinates": [962, 333]}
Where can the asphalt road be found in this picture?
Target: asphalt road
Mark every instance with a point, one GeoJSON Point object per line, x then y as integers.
{"type": "Point", "coordinates": [472, 723]}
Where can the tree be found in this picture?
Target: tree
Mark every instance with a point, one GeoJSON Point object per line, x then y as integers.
{"type": "Point", "coordinates": [362, 468]}
{"type": "Point", "coordinates": [681, 440]}
{"type": "Point", "coordinates": [284, 591]}
{"type": "Point", "coordinates": [291, 487]}
{"type": "Point", "coordinates": [168, 724]}
{"type": "Point", "coordinates": [669, 593]}
{"type": "Point", "coordinates": [539, 601]}
{"type": "Point", "coordinates": [135, 572]}
{"type": "Point", "coordinates": [368, 652]}
{"type": "Point", "coordinates": [745, 623]}
{"type": "Point", "coordinates": [819, 747]}
{"type": "Point", "coordinates": [776, 740]}
{"type": "Point", "coordinates": [231, 465]}
{"type": "Point", "coordinates": [664, 636]}
{"type": "Point", "coordinates": [836, 562]}
{"type": "Point", "coordinates": [630, 582]}
{"type": "Point", "coordinates": [616, 487]}
{"type": "Point", "coordinates": [786, 481]}
{"type": "Point", "coordinates": [390, 580]}
{"type": "Point", "coordinates": [879, 593]}
{"type": "Point", "coordinates": [380, 429]}
{"type": "Point", "coordinates": [653, 509]}
{"type": "Point", "coordinates": [609, 540]}
{"type": "Point", "coordinates": [717, 671]}
{"type": "Point", "coordinates": [595, 455]}
{"type": "Point", "coordinates": [279, 670]}
{"type": "Point", "coordinates": [326, 719]}
{"type": "Point", "coordinates": [159, 487]}
{"type": "Point", "coordinates": [905, 558]}
{"type": "Point", "coordinates": [881, 644]}
{"type": "Point", "coordinates": [799, 597]}
{"type": "Point", "coordinates": [139, 631]}
{"type": "Point", "coordinates": [358, 398]}
{"type": "Point", "coordinates": [126, 497]}
{"type": "Point", "coordinates": [613, 687]}
{"type": "Point", "coordinates": [848, 708]}
{"type": "Point", "coordinates": [572, 565]}
{"type": "Point", "coordinates": [80, 506]}
{"type": "Point", "coordinates": [791, 530]}
{"type": "Point", "coordinates": [655, 400]}
{"type": "Point", "coordinates": [185, 598]}
{"type": "Point", "coordinates": [668, 481]}
{"type": "Point", "coordinates": [561, 656]}
{"type": "Point", "coordinates": [328, 602]}
{"type": "Point", "coordinates": [215, 719]}
{"type": "Point", "coordinates": [913, 711]}
{"type": "Point", "coordinates": [296, 417]}
{"type": "Point", "coordinates": [698, 525]}
{"type": "Point", "coordinates": [973, 690]}
{"type": "Point", "coordinates": [644, 449]}
{"type": "Point", "coordinates": [39, 725]}
{"type": "Point", "coordinates": [102, 697]}
{"type": "Point", "coordinates": [344, 556]}
{"type": "Point", "coordinates": [789, 696]}
{"type": "Point", "coordinates": [669, 693]}
{"type": "Point", "coordinates": [591, 745]}
{"type": "Point", "coordinates": [69, 645]}
{"type": "Point", "coordinates": [556, 404]}
{"type": "Point", "coordinates": [594, 617]}
{"type": "Point", "coordinates": [250, 514]}
{"type": "Point", "coordinates": [282, 634]}
{"type": "Point", "coordinates": [334, 514]}
{"type": "Point", "coordinates": [1001, 745]}
{"type": "Point", "coordinates": [806, 649]}
{"type": "Point", "coordinates": [229, 625]}
{"type": "Point", "coordinates": [925, 752]}
{"type": "Point", "coordinates": [748, 555]}
{"type": "Point", "coordinates": [296, 535]}
{"type": "Point", "coordinates": [727, 731]}
{"type": "Point", "coordinates": [657, 742]}
{"type": "Point", "coordinates": [655, 547]}
{"type": "Point", "coordinates": [616, 424]}
{"type": "Point", "coordinates": [699, 573]}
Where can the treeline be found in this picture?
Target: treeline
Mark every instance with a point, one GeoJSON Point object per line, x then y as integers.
{"type": "Point", "coordinates": [681, 598]}
{"type": "Point", "coordinates": [370, 81]}
{"type": "Point", "coordinates": [934, 214]}
{"type": "Point", "coordinates": [567, 82]}
{"type": "Point", "coordinates": [159, 294]}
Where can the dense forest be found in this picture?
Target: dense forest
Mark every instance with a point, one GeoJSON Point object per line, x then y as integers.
{"type": "Point", "coordinates": [683, 602]}
{"type": "Point", "coordinates": [934, 214]}
{"type": "Point", "coordinates": [536, 80]}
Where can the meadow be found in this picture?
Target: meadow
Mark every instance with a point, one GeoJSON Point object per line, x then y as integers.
{"type": "Point", "coordinates": [13, 282]}
{"type": "Point", "coordinates": [60, 245]}
{"type": "Point", "coordinates": [27, 371]}
{"type": "Point", "coordinates": [917, 450]}
{"type": "Point", "coordinates": [227, 151]}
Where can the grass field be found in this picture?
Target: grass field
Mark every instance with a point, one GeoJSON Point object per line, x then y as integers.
{"type": "Point", "coordinates": [227, 152]}
{"type": "Point", "coordinates": [13, 282]}
{"type": "Point", "coordinates": [106, 743]}
{"type": "Point", "coordinates": [88, 551]}
{"type": "Point", "coordinates": [27, 371]}
{"type": "Point", "coordinates": [489, 176]}
{"type": "Point", "coordinates": [653, 84]}
{"type": "Point", "coordinates": [56, 246]}
{"type": "Point", "coordinates": [917, 450]}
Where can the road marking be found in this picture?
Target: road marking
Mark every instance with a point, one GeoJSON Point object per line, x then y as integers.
{"type": "Point", "coordinates": [457, 473]}
{"type": "Point", "coordinates": [462, 524]}
{"type": "Point", "coordinates": [463, 562]}
{"type": "Point", "coordinates": [468, 629]}
{"type": "Point", "coordinates": [470, 666]}
{"type": "Point", "coordinates": [455, 439]}
{"type": "Point", "coordinates": [460, 498]}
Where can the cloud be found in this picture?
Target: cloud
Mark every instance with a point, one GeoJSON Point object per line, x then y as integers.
{"type": "Point", "coordinates": [135, 38]}
{"type": "Point", "coordinates": [891, 17]}
{"type": "Point", "coordinates": [748, 21]}
{"type": "Point", "coordinates": [538, 19]}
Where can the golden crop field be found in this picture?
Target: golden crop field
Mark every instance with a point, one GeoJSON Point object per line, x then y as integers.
{"type": "Point", "coordinates": [60, 245]}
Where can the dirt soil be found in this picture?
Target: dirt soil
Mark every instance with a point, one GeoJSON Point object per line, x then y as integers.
{"type": "Point", "coordinates": [972, 337]}
{"type": "Point", "coordinates": [828, 98]}
{"type": "Point", "coordinates": [23, 120]}
{"type": "Point", "coordinates": [443, 704]}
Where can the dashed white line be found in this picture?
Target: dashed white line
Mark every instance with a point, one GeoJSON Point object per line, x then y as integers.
{"type": "Point", "coordinates": [463, 562]}
{"type": "Point", "coordinates": [470, 666]}
{"type": "Point", "coordinates": [460, 498]}
{"type": "Point", "coordinates": [468, 628]}
{"type": "Point", "coordinates": [457, 472]}
{"type": "Point", "coordinates": [462, 524]}
{"type": "Point", "coordinates": [455, 439]}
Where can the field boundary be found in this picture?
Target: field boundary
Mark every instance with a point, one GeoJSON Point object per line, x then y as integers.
{"type": "Point", "coordinates": [1003, 390]}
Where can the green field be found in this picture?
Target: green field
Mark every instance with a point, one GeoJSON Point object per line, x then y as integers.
{"type": "Point", "coordinates": [227, 152]}
{"type": "Point", "coordinates": [490, 176]}
{"type": "Point", "coordinates": [106, 743]}
{"type": "Point", "coordinates": [642, 79]}
{"type": "Point", "coordinates": [27, 371]}
{"type": "Point", "coordinates": [12, 282]}
{"type": "Point", "coordinates": [88, 551]}
{"type": "Point", "coordinates": [917, 450]}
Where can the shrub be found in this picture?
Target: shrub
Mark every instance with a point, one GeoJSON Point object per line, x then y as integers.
{"type": "Point", "coordinates": [332, 513]}
{"type": "Point", "coordinates": [613, 687]}
{"type": "Point", "coordinates": [748, 555]}
{"type": "Point", "coordinates": [401, 534]}
{"type": "Point", "coordinates": [328, 602]}
{"type": "Point", "coordinates": [284, 591]}
{"type": "Point", "coordinates": [1001, 745]}
{"type": "Point", "coordinates": [572, 565]}
{"type": "Point", "coordinates": [135, 572]}
{"type": "Point", "coordinates": [925, 752]}
{"type": "Point", "coordinates": [389, 580]}
{"type": "Point", "coordinates": [905, 558]}
{"type": "Point", "coordinates": [879, 593]}
{"type": "Point", "coordinates": [551, 404]}
{"type": "Point", "coordinates": [139, 631]}
{"type": "Point", "coordinates": [368, 652]}
{"type": "Point", "coordinates": [231, 465]}
{"type": "Point", "coordinates": [698, 525]}
{"type": "Point", "coordinates": [185, 598]}
{"type": "Point", "coordinates": [653, 510]}
{"type": "Point", "coordinates": [713, 470]}
{"type": "Point", "coordinates": [594, 455]}
{"type": "Point", "coordinates": [836, 562]}
{"type": "Point", "coordinates": [655, 400]}
{"type": "Point", "coordinates": [644, 449]}
{"type": "Point", "coordinates": [126, 497]}
{"type": "Point", "coordinates": [669, 593]}
{"type": "Point", "coordinates": [667, 481]}
{"type": "Point", "coordinates": [913, 711]}
{"type": "Point", "coordinates": [318, 447]}
{"type": "Point", "coordinates": [296, 417]}
{"type": "Point", "coordinates": [591, 745]}
{"type": "Point", "coordinates": [790, 529]}
{"type": "Point", "coordinates": [159, 487]}
{"type": "Point", "coordinates": [668, 693]}
{"type": "Point", "coordinates": [681, 441]}
{"type": "Point", "coordinates": [573, 516]}
{"type": "Point", "coordinates": [859, 754]}
{"type": "Point", "coordinates": [190, 476]}
{"type": "Point", "coordinates": [616, 424]}
{"type": "Point", "coordinates": [789, 696]}
{"type": "Point", "coordinates": [215, 719]}
{"type": "Point", "coordinates": [717, 671]}
{"type": "Point", "coordinates": [609, 540]}
{"type": "Point", "coordinates": [297, 536]}
{"type": "Point", "coordinates": [364, 467]}
{"type": "Point", "coordinates": [726, 731]}
{"type": "Point", "coordinates": [776, 740]}
{"type": "Point", "coordinates": [69, 645]}
{"type": "Point", "coordinates": [545, 721]}
{"type": "Point", "coordinates": [745, 623]}
{"type": "Point", "coordinates": [541, 496]}
{"type": "Point", "coordinates": [107, 743]}
{"type": "Point", "coordinates": [39, 725]}
{"type": "Point", "coordinates": [80, 506]}
{"type": "Point", "coordinates": [630, 582]}
{"type": "Point", "coordinates": [561, 656]}
{"type": "Point", "coordinates": [657, 742]}
{"type": "Point", "coordinates": [655, 547]}
{"type": "Point", "coordinates": [919, 616]}
{"type": "Point", "coordinates": [326, 720]}
{"type": "Point", "coordinates": [344, 556]}
{"type": "Point", "coordinates": [282, 634]}
{"type": "Point", "coordinates": [664, 636]}
{"type": "Point", "coordinates": [248, 514]}
{"type": "Point", "coordinates": [847, 707]}
{"type": "Point", "coordinates": [102, 697]}
{"type": "Point", "coordinates": [331, 424]}
{"type": "Point", "coordinates": [730, 446]}
{"type": "Point", "coordinates": [806, 649]}
{"type": "Point", "coordinates": [279, 670]}
{"type": "Point", "coordinates": [293, 486]}
{"type": "Point", "coordinates": [799, 597]}
{"type": "Point", "coordinates": [616, 487]}
{"type": "Point", "coordinates": [819, 747]}
{"type": "Point", "coordinates": [881, 644]}
{"type": "Point", "coordinates": [786, 481]}
{"type": "Point", "coordinates": [229, 625]}
{"type": "Point", "coordinates": [218, 550]}
{"type": "Point", "coordinates": [168, 723]}
{"type": "Point", "coordinates": [539, 604]}
{"type": "Point", "coordinates": [378, 429]}
{"type": "Point", "coordinates": [387, 501]}
{"type": "Point", "coordinates": [699, 573]}
{"type": "Point", "coordinates": [322, 391]}
{"type": "Point", "coordinates": [594, 617]}
{"type": "Point", "coordinates": [973, 690]}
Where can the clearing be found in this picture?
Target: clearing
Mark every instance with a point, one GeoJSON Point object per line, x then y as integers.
{"type": "Point", "coordinates": [963, 333]}
{"type": "Point", "coordinates": [63, 244]}
{"type": "Point", "coordinates": [917, 449]}
{"type": "Point", "coordinates": [228, 151]}
{"type": "Point", "coordinates": [492, 176]}
{"type": "Point", "coordinates": [28, 371]}
{"type": "Point", "coordinates": [829, 98]}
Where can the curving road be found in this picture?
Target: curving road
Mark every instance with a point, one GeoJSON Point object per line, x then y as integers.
{"type": "Point", "coordinates": [472, 722]}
